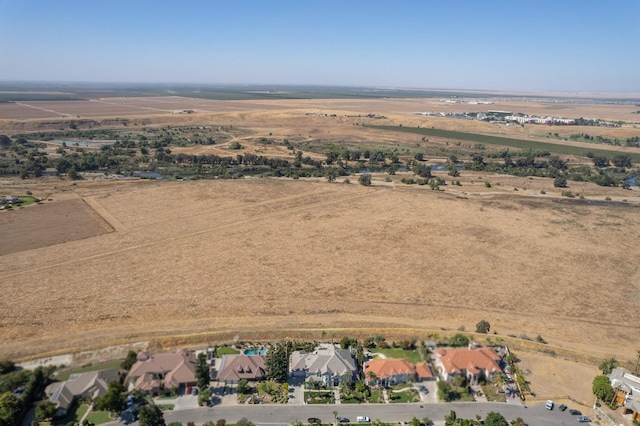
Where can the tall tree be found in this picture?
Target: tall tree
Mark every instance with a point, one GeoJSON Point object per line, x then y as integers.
{"type": "Point", "coordinates": [150, 415]}
{"type": "Point", "coordinates": [128, 362]}
{"type": "Point", "coordinates": [483, 327]}
{"type": "Point", "coordinates": [114, 399]}
{"type": "Point", "coordinates": [277, 363]}
{"type": "Point", "coordinates": [46, 410]}
{"type": "Point", "coordinates": [495, 419]}
{"type": "Point", "coordinates": [602, 388]}
{"type": "Point", "coordinates": [10, 409]}
{"type": "Point", "coordinates": [202, 371]}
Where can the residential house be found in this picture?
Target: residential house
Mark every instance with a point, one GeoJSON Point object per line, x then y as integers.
{"type": "Point", "coordinates": [90, 385]}
{"type": "Point", "coordinates": [151, 374]}
{"type": "Point", "coordinates": [472, 363]}
{"type": "Point", "coordinates": [234, 368]}
{"type": "Point", "coordinates": [328, 364]}
{"type": "Point", "coordinates": [627, 391]}
{"type": "Point", "coordinates": [389, 372]}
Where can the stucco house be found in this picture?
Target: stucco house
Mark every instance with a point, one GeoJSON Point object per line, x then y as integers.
{"type": "Point", "coordinates": [472, 363]}
{"type": "Point", "coordinates": [152, 373]}
{"type": "Point", "coordinates": [234, 368]}
{"type": "Point", "coordinates": [90, 385]}
{"type": "Point", "coordinates": [388, 372]}
{"type": "Point", "coordinates": [328, 364]}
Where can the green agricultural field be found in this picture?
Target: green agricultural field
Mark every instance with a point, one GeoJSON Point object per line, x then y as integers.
{"type": "Point", "coordinates": [523, 144]}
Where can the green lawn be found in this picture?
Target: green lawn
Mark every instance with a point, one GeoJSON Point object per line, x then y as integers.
{"type": "Point", "coordinates": [64, 375]}
{"type": "Point", "coordinates": [411, 355]}
{"type": "Point", "coordinates": [99, 417]}
{"type": "Point", "coordinates": [226, 350]}
{"type": "Point", "coordinates": [376, 396]}
{"type": "Point", "coordinates": [410, 395]}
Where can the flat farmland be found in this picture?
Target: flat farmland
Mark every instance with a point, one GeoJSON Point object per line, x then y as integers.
{"type": "Point", "coordinates": [68, 218]}
{"type": "Point", "coordinates": [280, 257]}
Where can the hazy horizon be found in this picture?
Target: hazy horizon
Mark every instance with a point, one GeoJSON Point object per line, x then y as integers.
{"type": "Point", "coordinates": [572, 46]}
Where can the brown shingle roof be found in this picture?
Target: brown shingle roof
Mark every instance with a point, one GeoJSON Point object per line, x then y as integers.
{"type": "Point", "coordinates": [172, 369]}
{"type": "Point", "coordinates": [236, 367]}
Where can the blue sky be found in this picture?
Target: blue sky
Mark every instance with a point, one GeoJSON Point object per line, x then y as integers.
{"type": "Point", "coordinates": [567, 45]}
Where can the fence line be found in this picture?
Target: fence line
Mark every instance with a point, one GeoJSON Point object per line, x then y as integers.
{"type": "Point", "coordinates": [602, 413]}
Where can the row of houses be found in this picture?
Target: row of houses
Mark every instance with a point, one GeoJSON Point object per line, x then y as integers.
{"type": "Point", "coordinates": [328, 364]}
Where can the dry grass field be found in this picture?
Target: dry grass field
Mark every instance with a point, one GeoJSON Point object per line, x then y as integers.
{"type": "Point", "coordinates": [257, 256]}
{"type": "Point", "coordinates": [185, 262]}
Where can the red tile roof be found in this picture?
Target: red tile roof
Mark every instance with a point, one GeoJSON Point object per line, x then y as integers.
{"type": "Point", "coordinates": [386, 368]}
{"type": "Point", "coordinates": [423, 371]}
{"type": "Point", "coordinates": [472, 360]}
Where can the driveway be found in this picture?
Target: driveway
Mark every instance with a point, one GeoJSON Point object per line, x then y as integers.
{"type": "Point", "coordinates": [431, 396]}
{"type": "Point", "coordinates": [185, 402]}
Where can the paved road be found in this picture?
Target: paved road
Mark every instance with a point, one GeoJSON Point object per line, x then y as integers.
{"type": "Point", "coordinates": [286, 414]}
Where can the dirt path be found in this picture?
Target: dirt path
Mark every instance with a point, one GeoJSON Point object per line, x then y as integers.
{"type": "Point", "coordinates": [108, 217]}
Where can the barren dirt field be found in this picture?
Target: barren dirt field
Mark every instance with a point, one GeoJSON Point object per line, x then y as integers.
{"type": "Point", "coordinates": [68, 218]}
{"type": "Point", "coordinates": [257, 256]}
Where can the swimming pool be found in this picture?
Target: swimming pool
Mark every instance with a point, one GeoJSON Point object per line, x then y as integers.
{"type": "Point", "coordinates": [255, 351]}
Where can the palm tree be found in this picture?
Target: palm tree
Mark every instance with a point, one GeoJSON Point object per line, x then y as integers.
{"type": "Point", "coordinates": [607, 365]}
{"type": "Point", "coordinates": [335, 417]}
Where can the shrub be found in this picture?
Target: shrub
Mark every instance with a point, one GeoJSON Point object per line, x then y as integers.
{"type": "Point", "coordinates": [487, 184]}
{"type": "Point", "coordinates": [365, 179]}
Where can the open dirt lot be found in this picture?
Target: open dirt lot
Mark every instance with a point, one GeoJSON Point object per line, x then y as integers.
{"type": "Point", "coordinates": [266, 255]}
{"type": "Point", "coordinates": [559, 379]}
{"type": "Point", "coordinates": [67, 218]}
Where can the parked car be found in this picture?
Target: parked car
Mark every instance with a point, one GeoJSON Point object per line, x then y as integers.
{"type": "Point", "coordinates": [549, 405]}
{"type": "Point", "coordinates": [343, 420]}
{"type": "Point", "coordinates": [575, 412]}
{"type": "Point", "coordinates": [562, 407]}
{"type": "Point", "coordinates": [363, 419]}
{"type": "Point", "coordinates": [583, 419]}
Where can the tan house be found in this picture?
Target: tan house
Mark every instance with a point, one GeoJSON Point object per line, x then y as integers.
{"type": "Point", "coordinates": [151, 374]}
{"type": "Point", "coordinates": [470, 363]}
{"type": "Point", "coordinates": [327, 364]}
{"type": "Point", "coordinates": [234, 368]}
{"type": "Point", "coordinates": [90, 385]}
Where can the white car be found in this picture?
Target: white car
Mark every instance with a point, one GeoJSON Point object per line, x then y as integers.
{"type": "Point", "coordinates": [549, 405]}
{"type": "Point", "coordinates": [363, 419]}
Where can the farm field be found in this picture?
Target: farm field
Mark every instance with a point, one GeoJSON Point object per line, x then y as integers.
{"type": "Point", "coordinates": [266, 258]}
